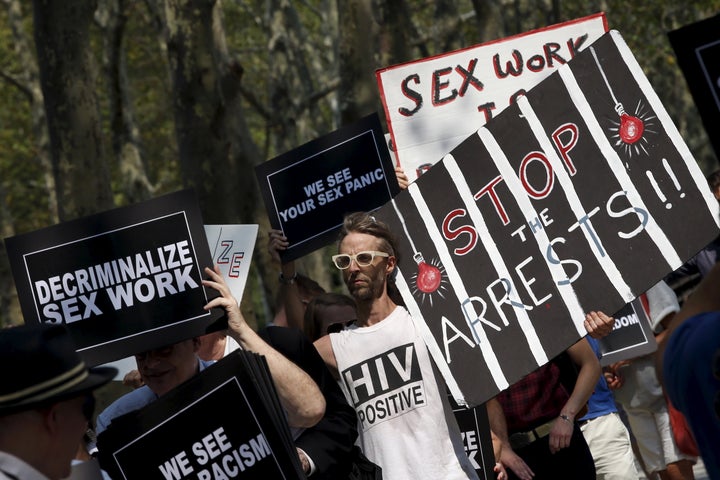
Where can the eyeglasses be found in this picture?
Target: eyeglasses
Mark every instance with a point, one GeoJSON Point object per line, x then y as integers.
{"type": "Point", "coordinates": [363, 259]}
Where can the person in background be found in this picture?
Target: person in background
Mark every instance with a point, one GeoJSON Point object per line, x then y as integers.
{"type": "Point", "coordinates": [535, 420]}
{"type": "Point", "coordinates": [46, 401]}
{"type": "Point", "coordinates": [606, 434]}
{"type": "Point", "coordinates": [637, 389]}
{"type": "Point", "coordinates": [328, 313]}
{"type": "Point", "coordinates": [689, 359]}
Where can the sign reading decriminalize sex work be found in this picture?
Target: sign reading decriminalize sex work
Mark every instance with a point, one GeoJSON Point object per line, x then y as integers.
{"type": "Point", "coordinates": [225, 422]}
{"type": "Point", "coordinates": [578, 198]}
{"type": "Point", "coordinates": [122, 281]}
{"type": "Point", "coordinates": [309, 189]}
{"type": "Point", "coordinates": [433, 104]}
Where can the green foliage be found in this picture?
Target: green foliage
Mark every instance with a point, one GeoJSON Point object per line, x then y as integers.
{"type": "Point", "coordinates": [275, 83]}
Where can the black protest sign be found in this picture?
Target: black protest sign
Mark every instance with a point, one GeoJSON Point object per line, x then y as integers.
{"type": "Point", "coordinates": [122, 281]}
{"type": "Point", "coordinates": [308, 190]}
{"type": "Point", "coordinates": [562, 204]}
{"type": "Point", "coordinates": [222, 423]}
{"type": "Point", "coordinates": [631, 336]}
{"type": "Point", "coordinates": [475, 431]}
{"type": "Point", "coordinates": [697, 47]}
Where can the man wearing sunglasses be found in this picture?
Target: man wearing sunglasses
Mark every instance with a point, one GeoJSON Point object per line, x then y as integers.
{"type": "Point", "coordinates": [406, 425]}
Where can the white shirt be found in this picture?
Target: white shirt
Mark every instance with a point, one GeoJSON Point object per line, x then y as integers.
{"type": "Point", "coordinates": [12, 468]}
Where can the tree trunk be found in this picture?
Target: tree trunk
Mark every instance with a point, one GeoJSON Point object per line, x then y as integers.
{"type": "Point", "coordinates": [136, 186]}
{"type": "Point", "coordinates": [358, 88]}
{"type": "Point", "coordinates": [68, 79]}
{"type": "Point", "coordinates": [216, 151]}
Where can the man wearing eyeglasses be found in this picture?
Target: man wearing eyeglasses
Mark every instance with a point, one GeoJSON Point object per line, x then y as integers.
{"type": "Point", "coordinates": [405, 422]}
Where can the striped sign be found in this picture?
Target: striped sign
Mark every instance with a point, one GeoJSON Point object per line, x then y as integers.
{"type": "Point", "coordinates": [578, 198]}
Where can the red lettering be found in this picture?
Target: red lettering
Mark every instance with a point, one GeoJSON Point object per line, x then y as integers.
{"type": "Point", "coordinates": [490, 190]}
{"type": "Point", "coordinates": [515, 70]}
{"type": "Point", "coordinates": [452, 234]}
{"type": "Point", "coordinates": [486, 109]}
{"type": "Point", "coordinates": [469, 78]}
{"type": "Point", "coordinates": [411, 94]}
{"type": "Point", "coordinates": [565, 147]}
{"type": "Point", "coordinates": [551, 50]}
{"type": "Point", "coordinates": [438, 85]}
{"type": "Point", "coordinates": [549, 177]}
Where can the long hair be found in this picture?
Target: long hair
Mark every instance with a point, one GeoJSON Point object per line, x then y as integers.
{"type": "Point", "coordinates": [362, 222]}
{"type": "Point", "coordinates": [313, 322]}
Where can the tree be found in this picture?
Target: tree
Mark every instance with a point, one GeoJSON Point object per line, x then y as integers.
{"type": "Point", "coordinates": [68, 76]}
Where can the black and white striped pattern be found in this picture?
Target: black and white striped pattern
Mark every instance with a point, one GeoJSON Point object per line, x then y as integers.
{"type": "Point", "coordinates": [577, 220]}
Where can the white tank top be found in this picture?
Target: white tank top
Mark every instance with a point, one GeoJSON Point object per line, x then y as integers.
{"type": "Point", "coordinates": [405, 422]}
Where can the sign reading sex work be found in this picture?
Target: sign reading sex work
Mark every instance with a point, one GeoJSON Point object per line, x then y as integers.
{"type": "Point", "coordinates": [122, 281]}
{"type": "Point", "coordinates": [433, 104]}
{"type": "Point", "coordinates": [578, 198]}
{"type": "Point", "coordinates": [308, 190]}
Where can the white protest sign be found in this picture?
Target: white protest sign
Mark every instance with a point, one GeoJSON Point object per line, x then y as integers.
{"type": "Point", "coordinates": [232, 247]}
{"type": "Point", "coordinates": [433, 104]}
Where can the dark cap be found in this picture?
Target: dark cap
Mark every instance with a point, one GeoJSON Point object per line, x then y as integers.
{"type": "Point", "coordinates": [40, 365]}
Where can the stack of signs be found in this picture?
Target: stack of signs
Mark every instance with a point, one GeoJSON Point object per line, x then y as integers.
{"type": "Point", "coordinates": [122, 281]}
{"type": "Point", "coordinates": [433, 104]}
{"type": "Point", "coordinates": [308, 190]}
{"type": "Point", "coordinates": [697, 47]}
{"type": "Point", "coordinates": [580, 197]}
{"type": "Point", "coordinates": [225, 422]}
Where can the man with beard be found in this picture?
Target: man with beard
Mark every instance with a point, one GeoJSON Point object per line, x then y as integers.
{"type": "Point", "coordinates": [406, 424]}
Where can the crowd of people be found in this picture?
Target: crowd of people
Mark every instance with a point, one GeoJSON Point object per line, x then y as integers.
{"type": "Point", "coordinates": [333, 355]}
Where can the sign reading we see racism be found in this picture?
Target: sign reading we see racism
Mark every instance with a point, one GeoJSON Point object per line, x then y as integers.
{"type": "Point", "coordinates": [433, 104]}
{"type": "Point", "coordinates": [308, 190]}
{"type": "Point", "coordinates": [122, 281]}
{"type": "Point", "coordinates": [580, 197]}
{"type": "Point", "coordinates": [225, 422]}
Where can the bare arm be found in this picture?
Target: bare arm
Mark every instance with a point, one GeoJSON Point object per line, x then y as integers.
{"type": "Point", "coordinates": [498, 428]}
{"type": "Point", "coordinates": [324, 348]}
{"type": "Point", "coordinates": [299, 395]}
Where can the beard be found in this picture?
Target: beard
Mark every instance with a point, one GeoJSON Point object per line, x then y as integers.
{"type": "Point", "coordinates": [366, 291]}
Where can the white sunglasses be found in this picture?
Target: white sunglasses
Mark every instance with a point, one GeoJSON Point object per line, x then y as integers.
{"type": "Point", "coordinates": [363, 259]}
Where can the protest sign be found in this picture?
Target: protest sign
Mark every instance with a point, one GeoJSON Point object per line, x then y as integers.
{"type": "Point", "coordinates": [433, 104]}
{"type": "Point", "coordinates": [564, 203]}
{"type": "Point", "coordinates": [122, 281]}
{"type": "Point", "coordinates": [308, 190]}
{"type": "Point", "coordinates": [225, 422]}
{"type": "Point", "coordinates": [231, 247]}
{"type": "Point", "coordinates": [475, 431]}
{"type": "Point", "coordinates": [697, 47]}
{"type": "Point", "coordinates": [631, 336]}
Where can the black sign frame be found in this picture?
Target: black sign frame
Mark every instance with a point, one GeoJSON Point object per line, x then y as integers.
{"type": "Point", "coordinates": [122, 281]}
{"type": "Point", "coordinates": [308, 190]}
